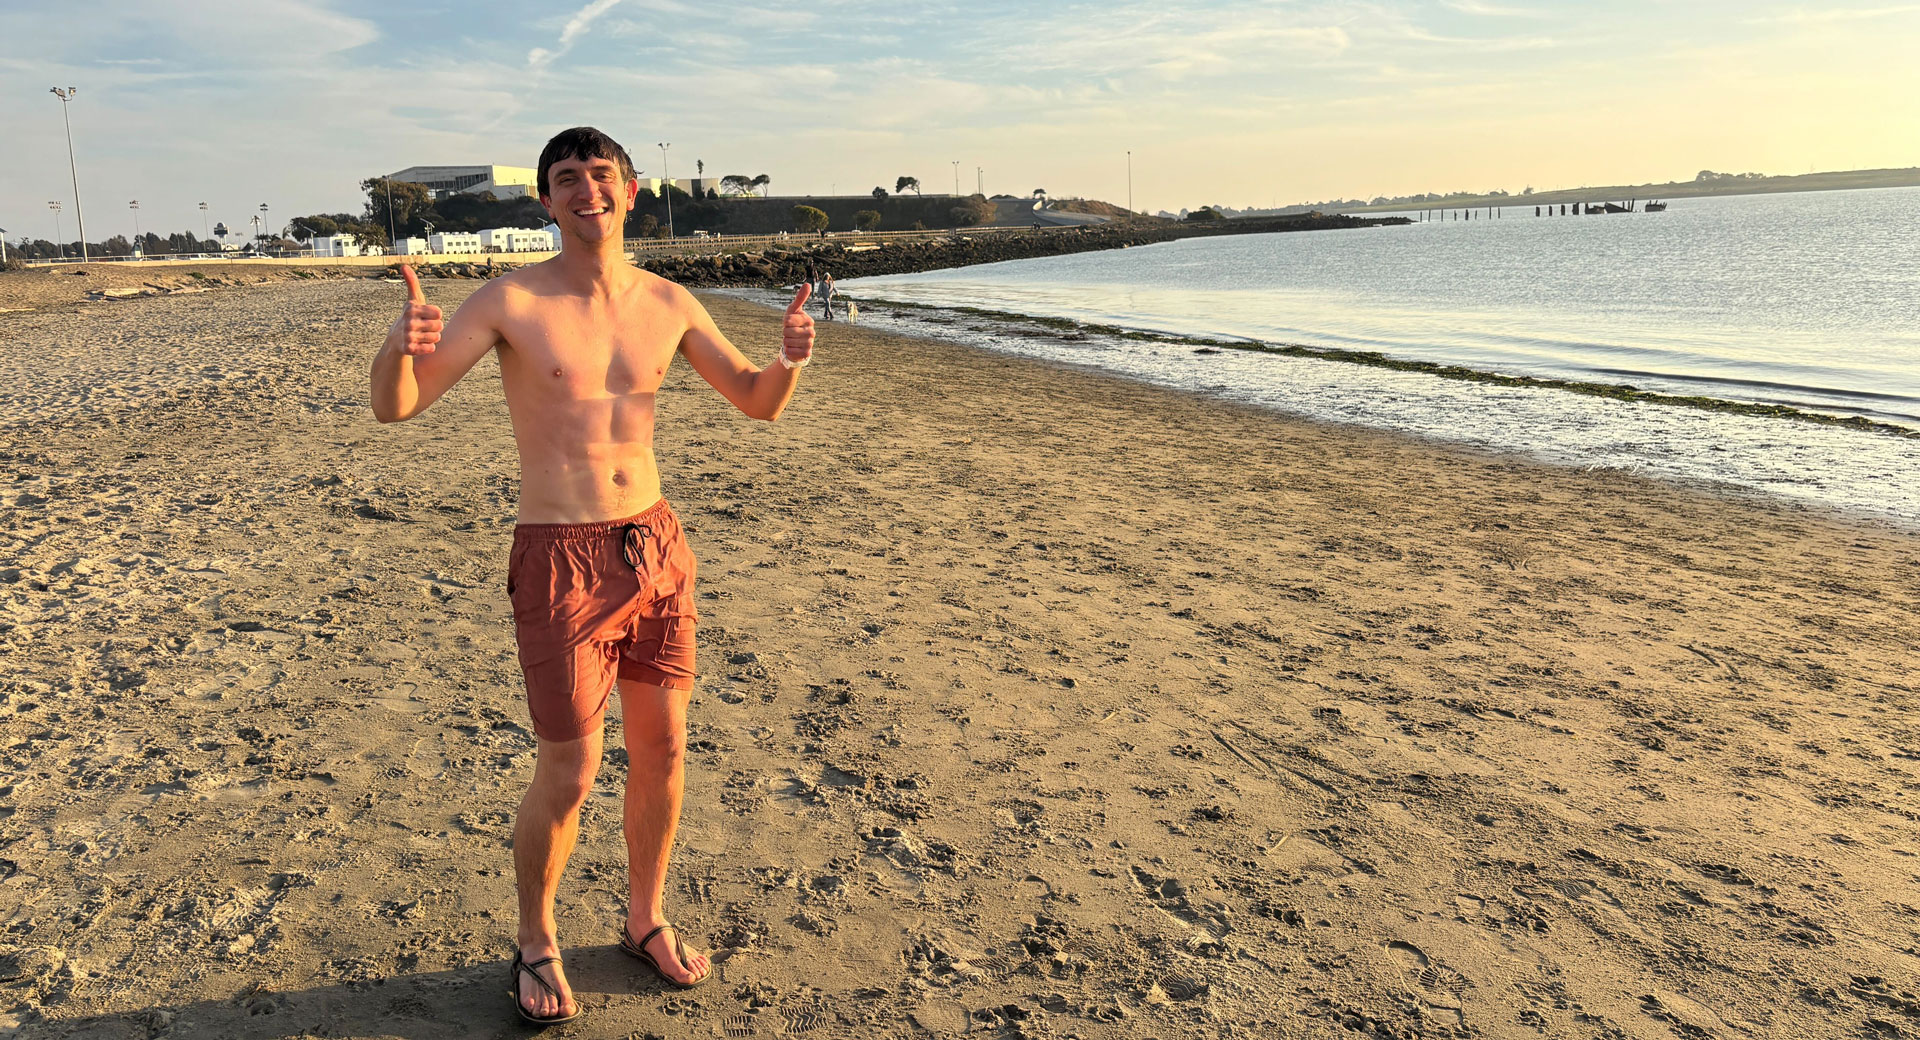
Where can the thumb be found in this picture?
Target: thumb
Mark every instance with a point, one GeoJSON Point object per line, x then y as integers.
{"type": "Point", "coordinates": [414, 295]}
{"type": "Point", "coordinates": [800, 298]}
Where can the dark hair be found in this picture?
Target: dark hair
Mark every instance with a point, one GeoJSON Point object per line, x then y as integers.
{"type": "Point", "coordinates": [582, 142]}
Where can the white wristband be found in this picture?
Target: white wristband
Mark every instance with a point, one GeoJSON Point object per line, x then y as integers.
{"type": "Point", "coordinates": [790, 363]}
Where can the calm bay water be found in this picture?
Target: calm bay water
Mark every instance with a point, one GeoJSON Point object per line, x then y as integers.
{"type": "Point", "coordinates": [1810, 300]}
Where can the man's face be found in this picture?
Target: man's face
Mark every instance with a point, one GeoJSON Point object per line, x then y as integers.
{"type": "Point", "coordinates": [588, 198]}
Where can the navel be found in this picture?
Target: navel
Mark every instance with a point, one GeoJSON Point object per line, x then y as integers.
{"type": "Point", "coordinates": [619, 478]}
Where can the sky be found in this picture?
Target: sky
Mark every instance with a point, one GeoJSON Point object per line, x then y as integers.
{"type": "Point", "coordinates": [293, 102]}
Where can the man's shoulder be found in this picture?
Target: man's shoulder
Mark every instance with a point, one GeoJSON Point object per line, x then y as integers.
{"type": "Point", "coordinates": [651, 289]}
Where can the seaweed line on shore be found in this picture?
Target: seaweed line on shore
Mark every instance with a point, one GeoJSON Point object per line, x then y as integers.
{"type": "Point", "coordinates": [1376, 359]}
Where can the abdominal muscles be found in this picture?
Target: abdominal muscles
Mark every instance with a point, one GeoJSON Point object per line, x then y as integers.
{"type": "Point", "coordinates": [585, 460]}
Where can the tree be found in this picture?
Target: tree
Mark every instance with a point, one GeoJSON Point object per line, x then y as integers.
{"type": "Point", "coordinates": [320, 224]}
{"type": "Point", "coordinates": [867, 220]}
{"type": "Point", "coordinates": [411, 203]}
{"type": "Point", "coordinates": [1039, 193]}
{"type": "Point", "coordinates": [807, 218]}
{"type": "Point", "coordinates": [737, 184]}
{"type": "Point", "coordinates": [1204, 213]}
{"type": "Point", "coordinates": [701, 166]}
{"type": "Point", "coordinates": [648, 226]}
{"type": "Point", "coordinates": [763, 182]}
{"type": "Point", "coordinates": [904, 183]}
{"type": "Point", "coordinates": [879, 193]}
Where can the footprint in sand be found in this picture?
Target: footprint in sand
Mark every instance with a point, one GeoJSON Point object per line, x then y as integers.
{"type": "Point", "coordinates": [1432, 976]}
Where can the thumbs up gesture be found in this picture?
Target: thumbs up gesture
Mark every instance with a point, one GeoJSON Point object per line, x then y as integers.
{"type": "Point", "coordinates": [417, 331]}
{"type": "Point", "coordinates": [796, 336]}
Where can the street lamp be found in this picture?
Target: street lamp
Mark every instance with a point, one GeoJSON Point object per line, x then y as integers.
{"type": "Point", "coordinates": [59, 250]}
{"type": "Point", "coordinates": [956, 178]}
{"type": "Point", "coordinates": [138, 247]}
{"type": "Point", "coordinates": [980, 181]}
{"type": "Point", "coordinates": [203, 225]}
{"type": "Point", "coordinates": [666, 186]}
{"type": "Point", "coordinates": [3, 247]}
{"type": "Point", "coordinates": [262, 221]}
{"type": "Point", "coordinates": [65, 95]}
{"type": "Point", "coordinates": [393, 236]}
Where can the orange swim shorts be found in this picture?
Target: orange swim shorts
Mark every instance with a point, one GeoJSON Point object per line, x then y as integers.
{"type": "Point", "coordinates": [592, 601]}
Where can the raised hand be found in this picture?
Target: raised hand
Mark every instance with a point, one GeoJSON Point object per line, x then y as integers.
{"type": "Point", "coordinates": [417, 331]}
{"type": "Point", "coordinates": [796, 337]}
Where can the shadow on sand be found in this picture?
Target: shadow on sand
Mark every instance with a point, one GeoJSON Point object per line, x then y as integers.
{"type": "Point", "coordinates": [464, 1002]}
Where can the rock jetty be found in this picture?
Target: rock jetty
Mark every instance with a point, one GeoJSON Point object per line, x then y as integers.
{"type": "Point", "coordinates": [852, 258]}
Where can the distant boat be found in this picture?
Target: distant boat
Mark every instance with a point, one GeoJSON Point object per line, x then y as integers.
{"type": "Point", "coordinates": [1656, 207]}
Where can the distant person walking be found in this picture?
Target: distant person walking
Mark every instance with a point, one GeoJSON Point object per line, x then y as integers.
{"type": "Point", "coordinates": [826, 295]}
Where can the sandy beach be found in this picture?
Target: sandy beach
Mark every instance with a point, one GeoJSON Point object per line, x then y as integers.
{"type": "Point", "coordinates": [1033, 703]}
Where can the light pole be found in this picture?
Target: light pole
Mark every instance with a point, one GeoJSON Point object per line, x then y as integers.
{"type": "Point", "coordinates": [203, 225]}
{"type": "Point", "coordinates": [65, 95]}
{"type": "Point", "coordinates": [393, 235]}
{"type": "Point", "coordinates": [956, 178]}
{"type": "Point", "coordinates": [139, 248]}
{"type": "Point", "coordinates": [980, 181]}
{"type": "Point", "coordinates": [1129, 182]}
{"type": "Point", "coordinates": [262, 222]}
{"type": "Point", "coordinates": [59, 250]}
{"type": "Point", "coordinates": [3, 247]}
{"type": "Point", "coordinates": [666, 186]}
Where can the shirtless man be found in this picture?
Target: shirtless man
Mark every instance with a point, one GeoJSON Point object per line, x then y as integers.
{"type": "Point", "coordinates": [600, 577]}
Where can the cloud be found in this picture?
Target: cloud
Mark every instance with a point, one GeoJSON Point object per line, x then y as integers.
{"type": "Point", "coordinates": [539, 58]}
{"type": "Point", "coordinates": [1489, 10]}
{"type": "Point", "coordinates": [1802, 16]}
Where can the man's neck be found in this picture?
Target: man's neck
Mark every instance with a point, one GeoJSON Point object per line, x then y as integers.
{"type": "Point", "coordinates": [593, 264]}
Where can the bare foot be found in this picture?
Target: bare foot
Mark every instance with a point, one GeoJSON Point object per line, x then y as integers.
{"type": "Point", "coordinates": [665, 948]}
{"type": "Point", "coordinates": [535, 998]}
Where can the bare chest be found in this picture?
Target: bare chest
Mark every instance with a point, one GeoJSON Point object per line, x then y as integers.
{"type": "Point", "coordinates": [580, 355]}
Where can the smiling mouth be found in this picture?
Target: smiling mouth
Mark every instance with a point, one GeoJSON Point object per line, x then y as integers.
{"type": "Point", "coordinates": [590, 212]}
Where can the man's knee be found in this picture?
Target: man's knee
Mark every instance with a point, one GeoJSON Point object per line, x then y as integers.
{"type": "Point", "coordinates": [657, 752]}
{"type": "Point", "coordinates": [564, 772]}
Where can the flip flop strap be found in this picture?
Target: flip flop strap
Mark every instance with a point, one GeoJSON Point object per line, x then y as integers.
{"type": "Point", "coordinates": [656, 931]}
{"type": "Point", "coordinates": [526, 966]}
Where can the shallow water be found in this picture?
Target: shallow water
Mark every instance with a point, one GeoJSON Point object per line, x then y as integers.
{"type": "Point", "coordinates": [1811, 301]}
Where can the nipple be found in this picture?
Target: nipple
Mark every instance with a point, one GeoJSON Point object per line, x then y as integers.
{"type": "Point", "coordinates": [556, 373]}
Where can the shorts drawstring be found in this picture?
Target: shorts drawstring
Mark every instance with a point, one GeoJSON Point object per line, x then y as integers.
{"type": "Point", "coordinates": [633, 542]}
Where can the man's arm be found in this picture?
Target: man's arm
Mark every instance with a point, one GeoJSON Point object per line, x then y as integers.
{"type": "Point", "coordinates": [760, 393]}
{"type": "Point", "coordinates": [424, 356]}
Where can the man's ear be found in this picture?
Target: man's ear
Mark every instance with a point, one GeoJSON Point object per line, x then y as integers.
{"type": "Point", "coordinates": [547, 204]}
{"type": "Point", "coordinates": [633, 191]}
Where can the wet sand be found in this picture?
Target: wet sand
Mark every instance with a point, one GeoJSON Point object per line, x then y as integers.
{"type": "Point", "coordinates": [1033, 703]}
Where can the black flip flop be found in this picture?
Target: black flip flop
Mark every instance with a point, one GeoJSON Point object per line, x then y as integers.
{"type": "Point", "coordinates": [639, 949]}
{"type": "Point", "coordinates": [513, 990]}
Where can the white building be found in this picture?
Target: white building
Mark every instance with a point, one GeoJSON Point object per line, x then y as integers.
{"type": "Point", "coordinates": [410, 247]}
{"type": "Point", "coordinates": [453, 242]}
{"type": "Point", "coordinates": [336, 245]}
{"type": "Point", "coordinates": [515, 240]}
{"type": "Point", "coordinates": [505, 182]}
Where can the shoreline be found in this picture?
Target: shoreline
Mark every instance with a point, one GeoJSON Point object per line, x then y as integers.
{"type": "Point", "coordinates": [1030, 697]}
{"type": "Point", "coordinates": [1379, 359]}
